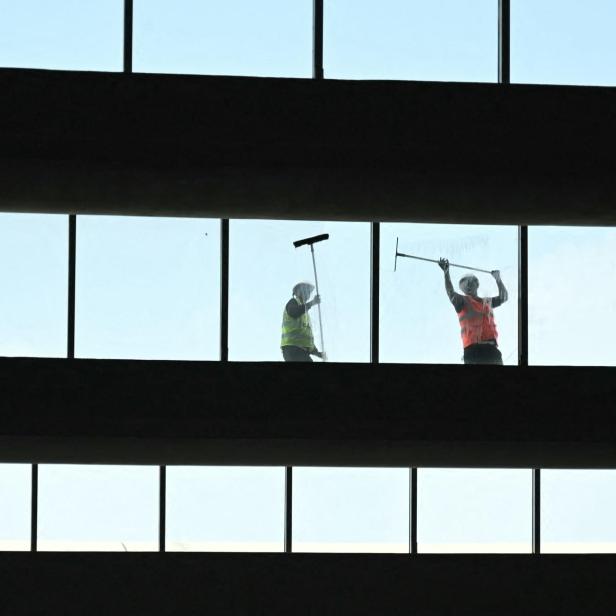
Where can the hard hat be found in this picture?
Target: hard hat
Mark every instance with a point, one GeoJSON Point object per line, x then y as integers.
{"type": "Point", "coordinates": [306, 285]}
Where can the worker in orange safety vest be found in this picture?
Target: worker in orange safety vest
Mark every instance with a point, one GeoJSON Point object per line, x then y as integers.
{"type": "Point", "coordinates": [477, 325]}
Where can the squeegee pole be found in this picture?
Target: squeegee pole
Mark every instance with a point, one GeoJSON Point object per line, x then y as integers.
{"type": "Point", "coordinates": [316, 285]}
{"type": "Point", "coordinates": [396, 257]}
{"type": "Point", "coordinates": [468, 267]}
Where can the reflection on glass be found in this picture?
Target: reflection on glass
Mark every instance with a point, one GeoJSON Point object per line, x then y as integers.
{"type": "Point", "coordinates": [15, 506]}
{"type": "Point", "coordinates": [33, 283]}
{"type": "Point", "coordinates": [147, 288]}
{"type": "Point", "coordinates": [474, 510]}
{"type": "Point", "coordinates": [469, 316]}
{"type": "Point", "coordinates": [269, 38]}
{"type": "Point", "coordinates": [225, 509]}
{"type": "Point", "coordinates": [98, 508]}
{"type": "Point", "coordinates": [578, 511]}
{"type": "Point", "coordinates": [447, 40]}
{"type": "Point", "coordinates": [571, 297]}
{"type": "Point", "coordinates": [265, 269]}
{"type": "Point", "coordinates": [350, 510]}
{"type": "Point", "coordinates": [63, 34]}
{"type": "Point", "coordinates": [563, 42]}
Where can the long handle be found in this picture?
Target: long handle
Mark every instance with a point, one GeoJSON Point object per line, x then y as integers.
{"type": "Point", "coordinates": [316, 285]}
{"type": "Point", "coordinates": [475, 269]}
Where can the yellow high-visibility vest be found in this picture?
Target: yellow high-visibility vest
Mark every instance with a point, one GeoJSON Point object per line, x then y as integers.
{"type": "Point", "coordinates": [297, 332]}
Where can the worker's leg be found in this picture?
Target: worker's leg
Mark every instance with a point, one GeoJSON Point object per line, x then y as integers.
{"type": "Point", "coordinates": [293, 353]}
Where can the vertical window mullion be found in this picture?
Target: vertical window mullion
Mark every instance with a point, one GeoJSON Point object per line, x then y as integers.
{"type": "Point", "coordinates": [317, 41]}
{"type": "Point", "coordinates": [162, 509]}
{"type": "Point", "coordinates": [413, 512]}
{"type": "Point", "coordinates": [72, 250]}
{"type": "Point", "coordinates": [224, 289]}
{"type": "Point", "coordinates": [523, 296]}
{"type": "Point", "coordinates": [536, 511]}
{"type": "Point", "coordinates": [288, 510]}
{"type": "Point", "coordinates": [128, 36]}
{"type": "Point", "coordinates": [375, 242]}
{"type": "Point", "coordinates": [34, 509]}
{"type": "Point", "coordinates": [504, 41]}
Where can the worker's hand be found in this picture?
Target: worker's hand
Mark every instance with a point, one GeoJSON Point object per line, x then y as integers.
{"type": "Point", "coordinates": [315, 301]}
{"type": "Point", "coordinates": [496, 274]}
{"type": "Point", "coordinates": [444, 264]}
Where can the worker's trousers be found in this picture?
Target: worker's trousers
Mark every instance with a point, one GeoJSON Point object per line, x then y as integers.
{"type": "Point", "coordinates": [293, 353]}
{"type": "Point", "coordinates": [483, 354]}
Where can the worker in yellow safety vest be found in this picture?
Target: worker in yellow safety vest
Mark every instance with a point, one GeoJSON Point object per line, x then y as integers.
{"type": "Point", "coordinates": [476, 316]}
{"type": "Point", "coordinates": [297, 342]}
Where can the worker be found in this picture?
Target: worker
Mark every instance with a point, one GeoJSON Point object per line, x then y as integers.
{"type": "Point", "coordinates": [297, 340]}
{"type": "Point", "coordinates": [477, 326]}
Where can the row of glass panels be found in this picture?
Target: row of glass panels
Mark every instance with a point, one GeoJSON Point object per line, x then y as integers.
{"type": "Point", "coordinates": [116, 508]}
{"type": "Point", "coordinates": [552, 41]}
{"type": "Point", "coordinates": [149, 288]}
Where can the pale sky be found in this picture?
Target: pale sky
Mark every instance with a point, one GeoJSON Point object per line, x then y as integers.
{"type": "Point", "coordinates": [149, 288]}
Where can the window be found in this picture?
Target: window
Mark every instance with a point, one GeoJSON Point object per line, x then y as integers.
{"type": "Point", "coordinates": [563, 42]}
{"type": "Point", "coordinates": [63, 34]}
{"type": "Point", "coordinates": [270, 38]}
{"type": "Point", "coordinates": [15, 504]}
{"type": "Point", "coordinates": [34, 283]}
{"type": "Point", "coordinates": [578, 511]}
{"type": "Point", "coordinates": [98, 508]}
{"type": "Point", "coordinates": [418, 322]}
{"type": "Point", "coordinates": [147, 288]}
{"type": "Point", "coordinates": [350, 510]}
{"type": "Point", "coordinates": [446, 40]}
{"type": "Point", "coordinates": [264, 268]}
{"type": "Point", "coordinates": [474, 510]}
{"type": "Point", "coordinates": [225, 509]}
{"type": "Point", "coordinates": [571, 303]}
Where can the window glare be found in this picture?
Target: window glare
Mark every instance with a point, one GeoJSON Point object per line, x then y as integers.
{"type": "Point", "coordinates": [15, 504]}
{"type": "Point", "coordinates": [34, 289]}
{"type": "Point", "coordinates": [64, 34]}
{"type": "Point", "coordinates": [563, 42]}
{"type": "Point", "coordinates": [98, 508]}
{"type": "Point", "coordinates": [401, 39]}
{"type": "Point", "coordinates": [474, 510]}
{"type": "Point", "coordinates": [269, 38]}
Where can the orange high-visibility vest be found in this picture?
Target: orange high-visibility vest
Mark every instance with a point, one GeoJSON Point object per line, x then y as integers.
{"type": "Point", "coordinates": [477, 321]}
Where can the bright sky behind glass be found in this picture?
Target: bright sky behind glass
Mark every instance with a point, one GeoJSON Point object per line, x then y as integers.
{"type": "Point", "coordinates": [148, 288]}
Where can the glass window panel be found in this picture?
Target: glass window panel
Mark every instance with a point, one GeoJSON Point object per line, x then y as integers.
{"type": "Point", "coordinates": [147, 288]}
{"type": "Point", "coordinates": [444, 40]}
{"type": "Point", "coordinates": [265, 266]}
{"type": "Point", "coordinates": [563, 42]}
{"type": "Point", "coordinates": [15, 506]}
{"type": "Point", "coordinates": [474, 510]}
{"type": "Point", "coordinates": [418, 322]}
{"type": "Point", "coordinates": [351, 510]}
{"type": "Point", "coordinates": [63, 34]}
{"type": "Point", "coordinates": [566, 266]}
{"type": "Point", "coordinates": [578, 511]}
{"type": "Point", "coordinates": [98, 508]}
{"type": "Point", "coordinates": [34, 287]}
{"type": "Point", "coordinates": [225, 509]}
{"type": "Point", "coordinates": [270, 38]}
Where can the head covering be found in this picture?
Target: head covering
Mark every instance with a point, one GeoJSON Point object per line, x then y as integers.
{"type": "Point", "coordinates": [468, 282]}
{"type": "Point", "coordinates": [306, 286]}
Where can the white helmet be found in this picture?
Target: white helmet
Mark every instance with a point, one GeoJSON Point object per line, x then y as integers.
{"type": "Point", "coordinates": [303, 289]}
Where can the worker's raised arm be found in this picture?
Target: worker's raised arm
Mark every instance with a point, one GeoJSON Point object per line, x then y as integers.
{"type": "Point", "coordinates": [502, 296]}
{"type": "Point", "coordinates": [444, 265]}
